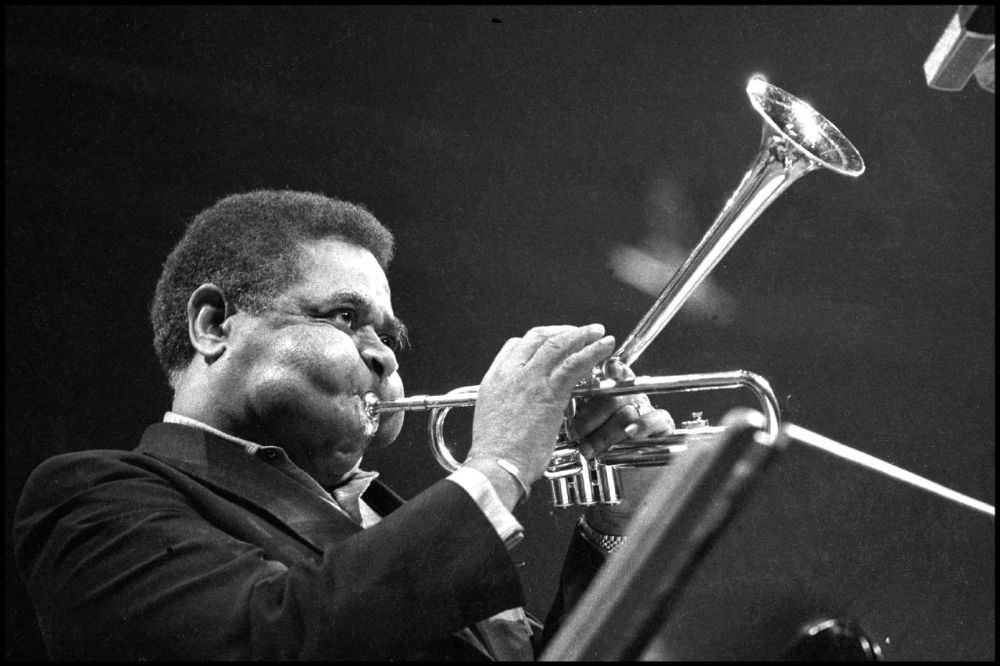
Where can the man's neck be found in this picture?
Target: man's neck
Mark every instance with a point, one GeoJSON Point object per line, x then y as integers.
{"type": "Point", "coordinates": [196, 397]}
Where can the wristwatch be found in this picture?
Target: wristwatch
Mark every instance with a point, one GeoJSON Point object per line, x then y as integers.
{"type": "Point", "coordinates": [608, 543]}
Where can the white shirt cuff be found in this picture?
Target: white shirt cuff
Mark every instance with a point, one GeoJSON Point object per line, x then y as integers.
{"type": "Point", "coordinates": [485, 495]}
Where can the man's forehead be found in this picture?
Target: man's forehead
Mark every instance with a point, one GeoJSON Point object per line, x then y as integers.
{"type": "Point", "coordinates": [337, 264]}
{"type": "Point", "coordinates": [336, 249]}
{"type": "Point", "coordinates": [335, 273]}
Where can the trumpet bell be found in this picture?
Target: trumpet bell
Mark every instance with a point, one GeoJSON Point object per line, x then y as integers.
{"type": "Point", "coordinates": [807, 129]}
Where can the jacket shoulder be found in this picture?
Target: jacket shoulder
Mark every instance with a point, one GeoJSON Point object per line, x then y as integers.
{"type": "Point", "coordinates": [87, 468]}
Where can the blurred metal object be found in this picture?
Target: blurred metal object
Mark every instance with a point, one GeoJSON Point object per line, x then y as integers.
{"type": "Point", "coordinates": [986, 72]}
{"type": "Point", "coordinates": [965, 49]}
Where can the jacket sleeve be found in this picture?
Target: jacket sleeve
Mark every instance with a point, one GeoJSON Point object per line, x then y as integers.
{"type": "Point", "coordinates": [123, 564]}
{"type": "Point", "coordinates": [582, 563]}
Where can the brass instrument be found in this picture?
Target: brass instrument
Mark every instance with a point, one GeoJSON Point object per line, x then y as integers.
{"type": "Point", "coordinates": [795, 140]}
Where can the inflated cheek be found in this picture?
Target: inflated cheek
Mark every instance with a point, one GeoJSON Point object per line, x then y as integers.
{"type": "Point", "coordinates": [310, 363]}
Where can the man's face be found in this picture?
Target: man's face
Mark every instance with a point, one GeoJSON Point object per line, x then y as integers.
{"type": "Point", "coordinates": [301, 369]}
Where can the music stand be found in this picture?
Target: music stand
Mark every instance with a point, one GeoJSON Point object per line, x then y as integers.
{"type": "Point", "coordinates": [801, 549]}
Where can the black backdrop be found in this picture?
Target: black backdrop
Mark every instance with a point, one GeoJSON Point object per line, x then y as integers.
{"type": "Point", "coordinates": [514, 151]}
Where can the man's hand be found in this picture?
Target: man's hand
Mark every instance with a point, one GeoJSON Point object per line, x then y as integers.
{"type": "Point", "coordinates": [522, 398]}
{"type": "Point", "coordinates": [603, 422]}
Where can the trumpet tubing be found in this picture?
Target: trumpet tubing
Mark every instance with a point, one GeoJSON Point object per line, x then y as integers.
{"type": "Point", "coordinates": [795, 140]}
{"type": "Point", "coordinates": [574, 480]}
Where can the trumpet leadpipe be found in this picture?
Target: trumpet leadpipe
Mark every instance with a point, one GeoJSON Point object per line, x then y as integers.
{"type": "Point", "coordinates": [416, 403]}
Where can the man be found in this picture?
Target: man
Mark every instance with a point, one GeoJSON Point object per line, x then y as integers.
{"type": "Point", "coordinates": [242, 527]}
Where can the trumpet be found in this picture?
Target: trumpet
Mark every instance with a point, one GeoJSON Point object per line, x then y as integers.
{"type": "Point", "coordinates": [795, 140]}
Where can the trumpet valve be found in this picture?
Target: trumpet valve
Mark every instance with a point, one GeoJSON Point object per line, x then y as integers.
{"type": "Point", "coordinates": [608, 483]}
{"type": "Point", "coordinates": [563, 472]}
{"type": "Point", "coordinates": [576, 481]}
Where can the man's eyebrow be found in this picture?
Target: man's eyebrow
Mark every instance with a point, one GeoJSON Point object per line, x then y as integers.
{"type": "Point", "coordinates": [391, 323]}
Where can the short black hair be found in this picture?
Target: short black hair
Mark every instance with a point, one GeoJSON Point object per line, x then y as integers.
{"type": "Point", "coordinates": [249, 246]}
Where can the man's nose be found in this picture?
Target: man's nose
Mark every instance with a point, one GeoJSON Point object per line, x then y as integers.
{"type": "Point", "coordinates": [377, 355]}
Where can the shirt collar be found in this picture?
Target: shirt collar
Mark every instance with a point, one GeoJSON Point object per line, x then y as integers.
{"type": "Point", "coordinates": [173, 417]}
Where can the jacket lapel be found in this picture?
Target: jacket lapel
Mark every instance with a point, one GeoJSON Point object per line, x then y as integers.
{"type": "Point", "coordinates": [224, 465]}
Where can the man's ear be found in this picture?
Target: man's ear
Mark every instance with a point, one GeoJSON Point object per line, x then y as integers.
{"type": "Point", "coordinates": [207, 311]}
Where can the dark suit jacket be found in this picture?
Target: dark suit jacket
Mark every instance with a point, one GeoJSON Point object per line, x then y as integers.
{"type": "Point", "coordinates": [188, 548]}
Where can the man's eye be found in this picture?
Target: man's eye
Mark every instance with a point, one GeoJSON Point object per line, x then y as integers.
{"type": "Point", "coordinates": [344, 316]}
{"type": "Point", "coordinates": [392, 342]}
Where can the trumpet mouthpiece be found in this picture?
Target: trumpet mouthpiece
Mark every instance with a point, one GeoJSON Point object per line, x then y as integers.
{"type": "Point", "coordinates": [371, 402]}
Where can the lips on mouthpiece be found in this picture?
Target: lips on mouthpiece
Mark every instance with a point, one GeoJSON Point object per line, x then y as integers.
{"type": "Point", "coordinates": [369, 417]}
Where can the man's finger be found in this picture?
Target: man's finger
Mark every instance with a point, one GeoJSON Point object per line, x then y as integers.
{"type": "Point", "coordinates": [625, 424]}
{"type": "Point", "coordinates": [593, 412]}
{"type": "Point", "coordinates": [535, 338]}
{"type": "Point", "coordinates": [577, 366]}
{"type": "Point", "coordinates": [561, 344]}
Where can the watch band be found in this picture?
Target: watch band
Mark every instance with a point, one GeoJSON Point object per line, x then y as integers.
{"type": "Point", "coordinates": [512, 469]}
{"type": "Point", "coordinates": [608, 543]}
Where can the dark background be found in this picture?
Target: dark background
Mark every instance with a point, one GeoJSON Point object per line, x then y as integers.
{"type": "Point", "coordinates": [511, 149]}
